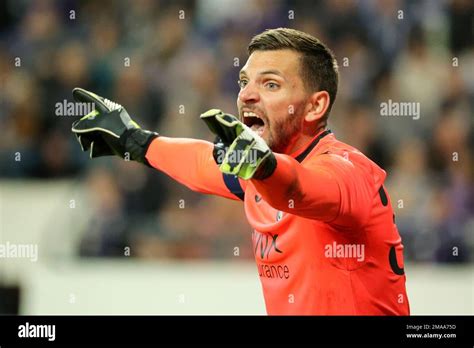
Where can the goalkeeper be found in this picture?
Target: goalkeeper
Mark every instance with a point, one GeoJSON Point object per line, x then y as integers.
{"type": "Point", "coordinates": [325, 239]}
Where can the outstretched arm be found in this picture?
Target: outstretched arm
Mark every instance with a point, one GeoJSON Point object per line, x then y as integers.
{"type": "Point", "coordinates": [109, 130]}
{"type": "Point", "coordinates": [191, 163]}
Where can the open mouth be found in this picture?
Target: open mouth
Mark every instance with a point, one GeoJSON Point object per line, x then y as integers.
{"type": "Point", "coordinates": [254, 122]}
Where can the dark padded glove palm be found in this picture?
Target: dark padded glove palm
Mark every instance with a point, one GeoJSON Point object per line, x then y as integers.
{"type": "Point", "coordinates": [109, 130]}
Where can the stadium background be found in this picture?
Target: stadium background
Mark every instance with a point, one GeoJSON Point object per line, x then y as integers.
{"type": "Point", "coordinates": [117, 237]}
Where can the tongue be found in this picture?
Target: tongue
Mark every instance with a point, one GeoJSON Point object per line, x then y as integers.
{"type": "Point", "coordinates": [258, 128]}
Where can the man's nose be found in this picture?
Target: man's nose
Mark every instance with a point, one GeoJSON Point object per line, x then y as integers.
{"type": "Point", "coordinates": [249, 94]}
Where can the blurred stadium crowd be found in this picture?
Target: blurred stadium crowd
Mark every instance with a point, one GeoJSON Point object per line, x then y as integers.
{"type": "Point", "coordinates": [184, 57]}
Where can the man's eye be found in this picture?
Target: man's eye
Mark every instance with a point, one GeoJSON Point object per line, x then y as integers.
{"type": "Point", "coordinates": [242, 83]}
{"type": "Point", "coordinates": [272, 85]}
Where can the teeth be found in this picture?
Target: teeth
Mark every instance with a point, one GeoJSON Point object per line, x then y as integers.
{"type": "Point", "coordinates": [250, 114]}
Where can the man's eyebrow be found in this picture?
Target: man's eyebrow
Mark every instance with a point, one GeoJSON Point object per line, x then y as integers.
{"type": "Point", "coordinates": [275, 72]}
{"type": "Point", "coordinates": [266, 72]}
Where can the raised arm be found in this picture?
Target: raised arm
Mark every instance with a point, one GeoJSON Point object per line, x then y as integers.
{"type": "Point", "coordinates": [329, 188]}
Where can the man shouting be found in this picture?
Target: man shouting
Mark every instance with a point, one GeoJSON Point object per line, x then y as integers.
{"type": "Point", "coordinates": [325, 239]}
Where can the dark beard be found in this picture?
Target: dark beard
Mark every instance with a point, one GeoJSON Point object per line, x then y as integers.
{"type": "Point", "coordinates": [284, 132]}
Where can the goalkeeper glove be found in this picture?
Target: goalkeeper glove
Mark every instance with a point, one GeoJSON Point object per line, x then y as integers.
{"type": "Point", "coordinates": [109, 130]}
{"type": "Point", "coordinates": [240, 151]}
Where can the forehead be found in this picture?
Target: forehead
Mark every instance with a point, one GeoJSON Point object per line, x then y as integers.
{"type": "Point", "coordinates": [285, 61]}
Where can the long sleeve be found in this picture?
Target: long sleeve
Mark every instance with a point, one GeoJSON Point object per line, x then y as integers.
{"type": "Point", "coordinates": [190, 162]}
{"type": "Point", "coordinates": [327, 188]}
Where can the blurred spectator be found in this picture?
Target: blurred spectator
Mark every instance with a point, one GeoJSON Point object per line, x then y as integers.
{"type": "Point", "coordinates": [106, 233]}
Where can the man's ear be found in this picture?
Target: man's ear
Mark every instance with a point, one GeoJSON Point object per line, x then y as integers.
{"type": "Point", "coordinates": [317, 106]}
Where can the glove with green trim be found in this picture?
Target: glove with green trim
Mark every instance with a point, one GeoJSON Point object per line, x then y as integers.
{"type": "Point", "coordinates": [109, 130]}
{"type": "Point", "coordinates": [241, 151]}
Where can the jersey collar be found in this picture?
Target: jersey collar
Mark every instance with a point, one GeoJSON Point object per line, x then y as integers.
{"type": "Point", "coordinates": [300, 155]}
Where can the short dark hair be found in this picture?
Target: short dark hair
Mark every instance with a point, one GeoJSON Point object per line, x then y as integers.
{"type": "Point", "coordinates": [318, 68]}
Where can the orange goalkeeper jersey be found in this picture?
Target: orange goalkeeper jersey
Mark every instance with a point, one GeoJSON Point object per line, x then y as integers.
{"type": "Point", "coordinates": [324, 239]}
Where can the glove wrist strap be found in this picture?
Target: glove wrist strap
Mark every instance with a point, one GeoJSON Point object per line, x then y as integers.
{"type": "Point", "coordinates": [136, 142]}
